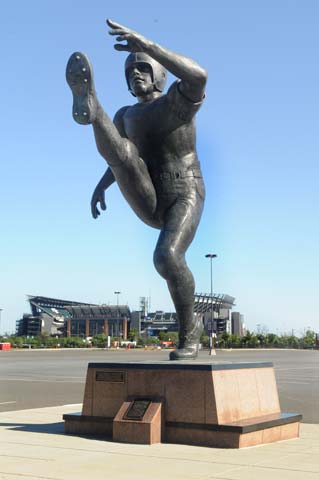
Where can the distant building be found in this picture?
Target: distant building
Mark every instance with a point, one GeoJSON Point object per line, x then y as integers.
{"type": "Point", "coordinates": [51, 316]}
{"type": "Point", "coordinates": [154, 322]}
{"type": "Point", "coordinates": [221, 304]}
{"type": "Point", "coordinates": [237, 324]}
{"type": "Point", "coordinates": [29, 326]}
{"type": "Point", "coordinates": [150, 324]}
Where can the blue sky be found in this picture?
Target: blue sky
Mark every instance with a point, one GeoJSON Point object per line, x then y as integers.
{"type": "Point", "coordinates": [258, 144]}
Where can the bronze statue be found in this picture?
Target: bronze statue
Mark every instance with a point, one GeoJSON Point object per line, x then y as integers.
{"type": "Point", "coordinates": [150, 149]}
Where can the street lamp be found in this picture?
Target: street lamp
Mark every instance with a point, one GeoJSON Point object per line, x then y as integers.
{"type": "Point", "coordinates": [211, 350]}
{"type": "Point", "coordinates": [0, 319]}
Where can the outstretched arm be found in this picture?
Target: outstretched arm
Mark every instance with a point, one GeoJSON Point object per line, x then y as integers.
{"type": "Point", "coordinates": [193, 77]}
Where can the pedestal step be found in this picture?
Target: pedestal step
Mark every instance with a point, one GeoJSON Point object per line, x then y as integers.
{"type": "Point", "coordinates": [218, 405]}
{"type": "Point", "coordinates": [266, 429]}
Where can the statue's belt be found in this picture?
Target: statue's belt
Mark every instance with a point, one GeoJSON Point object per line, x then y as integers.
{"type": "Point", "coordinates": [180, 174]}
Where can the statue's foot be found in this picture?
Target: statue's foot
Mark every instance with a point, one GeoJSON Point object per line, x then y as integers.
{"type": "Point", "coordinates": [79, 75]}
{"type": "Point", "coordinates": [188, 340]}
{"type": "Point", "coordinates": [188, 352]}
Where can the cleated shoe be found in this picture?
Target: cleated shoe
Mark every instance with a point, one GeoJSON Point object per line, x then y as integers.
{"type": "Point", "coordinates": [79, 75]}
{"type": "Point", "coordinates": [189, 341]}
{"type": "Point", "coordinates": [187, 353]}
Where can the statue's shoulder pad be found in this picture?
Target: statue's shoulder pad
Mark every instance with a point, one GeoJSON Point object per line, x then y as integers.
{"type": "Point", "coordinates": [120, 113]}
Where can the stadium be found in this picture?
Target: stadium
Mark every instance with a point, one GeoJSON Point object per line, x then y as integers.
{"type": "Point", "coordinates": [65, 318]}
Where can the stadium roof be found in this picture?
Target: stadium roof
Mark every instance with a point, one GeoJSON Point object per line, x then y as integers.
{"type": "Point", "coordinates": [58, 308]}
{"type": "Point", "coordinates": [48, 300]}
{"type": "Point", "coordinates": [203, 302]}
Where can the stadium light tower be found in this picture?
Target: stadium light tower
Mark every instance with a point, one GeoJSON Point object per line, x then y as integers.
{"type": "Point", "coordinates": [118, 296]}
{"type": "Point", "coordinates": [211, 256]}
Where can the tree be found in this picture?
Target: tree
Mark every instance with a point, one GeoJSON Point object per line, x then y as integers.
{"type": "Point", "coordinates": [73, 342]}
{"type": "Point", "coordinates": [141, 342]}
{"type": "Point", "coordinates": [173, 337]}
{"type": "Point", "coordinates": [250, 340]}
{"type": "Point", "coordinates": [272, 339]}
{"type": "Point", "coordinates": [293, 341]}
{"type": "Point", "coordinates": [133, 334]}
{"type": "Point", "coordinates": [261, 338]}
{"type": "Point", "coordinates": [99, 340]}
{"type": "Point", "coordinates": [234, 340]}
{"type": "Point", "coordinates": [204, 340]}
{"type": "Point", "coordinates": [309, 338]}
{"type": "Point", "coordinates": [16, 342]}
{"type": "Point", "coordinates": [151, 341]}
{"type": "Point", "coordinates": [224, 339]}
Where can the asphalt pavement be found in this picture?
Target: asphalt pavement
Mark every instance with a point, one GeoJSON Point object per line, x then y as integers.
{"type": "Point", "coordinates": [33, 445]}
{"type": "Point", "coordinates": [45, 378]}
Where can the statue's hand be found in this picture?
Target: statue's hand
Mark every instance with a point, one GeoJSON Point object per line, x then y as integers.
{"type": "Point", "coordinates": [97, 197]}
{"type": "Point", "coordinates": [135, 41]}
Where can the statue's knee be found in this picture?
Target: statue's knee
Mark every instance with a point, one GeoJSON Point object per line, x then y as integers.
{"type": "Point", "coordinates": [164, 262]}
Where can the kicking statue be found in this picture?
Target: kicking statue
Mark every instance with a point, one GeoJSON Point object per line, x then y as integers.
{"type": "Point", "coordinates": [150, 149]}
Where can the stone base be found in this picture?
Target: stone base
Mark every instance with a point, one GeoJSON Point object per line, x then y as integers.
{"type": "Point", "coordinates": [229, 405]}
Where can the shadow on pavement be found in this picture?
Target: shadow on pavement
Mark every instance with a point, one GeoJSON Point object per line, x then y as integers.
{"type": "Point", "coordinates": [53, 428]}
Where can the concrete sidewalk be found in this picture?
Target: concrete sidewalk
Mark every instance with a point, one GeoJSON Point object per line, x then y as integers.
{"type": "Point", "coordinates": [33, 446]}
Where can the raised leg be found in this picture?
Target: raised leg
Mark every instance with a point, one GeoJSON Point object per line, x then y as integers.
{"type": "Point", "coordinates": [181, 222]}
{"type": "Point", "coordinates": [128, 167]}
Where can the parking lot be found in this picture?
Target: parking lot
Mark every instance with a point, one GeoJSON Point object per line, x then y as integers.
{"type": "Point", "coordinates": [43, 378]}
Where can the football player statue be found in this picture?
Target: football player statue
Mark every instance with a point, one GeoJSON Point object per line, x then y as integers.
{"type": "Point", "coordinates": [150, 150]}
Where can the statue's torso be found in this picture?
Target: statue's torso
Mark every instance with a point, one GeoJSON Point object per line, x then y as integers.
{"type": "Point", "coordinates": [163, 131]}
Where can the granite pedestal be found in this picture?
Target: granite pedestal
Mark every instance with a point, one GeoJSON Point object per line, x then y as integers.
{"type": "Point", "coordinates": [219, 405]}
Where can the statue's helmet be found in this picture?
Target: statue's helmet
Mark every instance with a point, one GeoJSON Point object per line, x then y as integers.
{"type": "Point", "coordinates": [159, 73]}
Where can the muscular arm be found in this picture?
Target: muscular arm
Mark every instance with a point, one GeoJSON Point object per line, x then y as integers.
{"type": "Point", "coordinates": [193, 76]}
{"type": "Point", "coordinates": [108, 178]}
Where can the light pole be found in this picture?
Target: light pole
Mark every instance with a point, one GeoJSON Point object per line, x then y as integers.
{"type": "Point", "coordinates": [118, 295]}
{"type": "Point", "coordinates": [211, 349]}
{"type": "Point", "coordinates": [0, 319]}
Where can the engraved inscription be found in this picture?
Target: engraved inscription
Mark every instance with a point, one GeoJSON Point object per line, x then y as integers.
{"type": "Point", "coordinates": [111, 377]}
{"type": "Point", "coordinates": [137, 409]}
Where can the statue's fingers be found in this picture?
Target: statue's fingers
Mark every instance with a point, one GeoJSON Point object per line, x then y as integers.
{"type": "Point", "coordinates": [122, 38]}
{"type": "Point", "coordinates": [117, 31]}
{"type": "Point", "coordinates": [113, 24]}
{"type": "Point", "coordinates": [103, 204]}
{"type": "Point", "coordinates": [94, 209]}
{"type": "Point", "coordinates": [120, 47]}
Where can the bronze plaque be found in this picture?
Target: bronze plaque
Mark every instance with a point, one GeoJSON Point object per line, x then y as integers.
{"type": "Point", "coordinates": [111, 377]}
{"type": "Point", "coordinates": [137, 409]}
